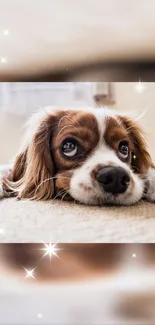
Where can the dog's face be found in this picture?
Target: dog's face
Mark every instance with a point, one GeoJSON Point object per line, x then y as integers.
{"type": "Point", "coordinates": [94, 157]}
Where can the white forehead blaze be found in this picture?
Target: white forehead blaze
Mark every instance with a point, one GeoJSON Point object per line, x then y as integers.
{"type": "Point", "coordinates": [102, 116]}
{"type": "Point", "coordinates": [102, 155]}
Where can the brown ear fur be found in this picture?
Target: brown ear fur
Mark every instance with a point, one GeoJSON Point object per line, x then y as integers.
{"type": "Point", "coordinates": [33, 170]}
{"type": "Point", "coordinates": [143, 159]}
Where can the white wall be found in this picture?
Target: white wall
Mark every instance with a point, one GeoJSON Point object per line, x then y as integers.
{"type": "Point", "coordinates": [127, 99]}
{"type": "Point", "coordinates": [10, 135]}
{"type": "Point", "coordinates": [18, 100]}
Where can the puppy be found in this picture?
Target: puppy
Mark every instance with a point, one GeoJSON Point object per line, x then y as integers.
{"type": "Point", "coordinates": [92, 156]}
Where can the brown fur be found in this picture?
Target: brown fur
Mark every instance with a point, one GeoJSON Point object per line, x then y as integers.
{"type": "Point", "coordinates": [33, 169]}
{"type": "Point", "coordinates": [41, 171]}
{"type": "Point", "coordinates": [125, 129]}
{"type": "Point", "coordinates": [143, 159]}
{"type": "Point", "coordinates": [115, 132]}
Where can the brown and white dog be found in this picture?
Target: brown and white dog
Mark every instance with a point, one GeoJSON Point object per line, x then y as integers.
{"type": "Point", "coordinates": [92, 156]}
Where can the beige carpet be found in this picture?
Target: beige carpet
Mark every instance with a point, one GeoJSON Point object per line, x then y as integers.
{"type": "Point", "coordinates": [26, 221]}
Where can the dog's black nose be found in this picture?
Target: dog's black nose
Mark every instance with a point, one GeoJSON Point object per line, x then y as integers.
{"type": "Point", "coordinates": [114, 180]}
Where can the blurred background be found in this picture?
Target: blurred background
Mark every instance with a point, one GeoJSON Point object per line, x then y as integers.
{"type": "Point", "coordinates": [84, 284]}
{"type": "Point", "coordinates": [18, 101]}
{"type": "Point", "coordinates": [85, 40]}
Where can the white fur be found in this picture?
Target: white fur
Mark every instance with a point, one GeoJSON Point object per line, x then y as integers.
{"type": "Point", "coordinates": [94, 194]}
{"type": "Point", "coordinates": [90, 194]}
{"type": "Point", "coordinates": [150, 182]}
{"type": "Point", "coordinates": [33, 123]}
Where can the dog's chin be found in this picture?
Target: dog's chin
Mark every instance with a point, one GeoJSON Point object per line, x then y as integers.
{"type": "Point", "coordinates": [121, 200]}
{"type": "Point", "coordinates": [97, 197]}
{"type": "Point", "coordinates": [110, 200]}
{"type": "Point", "coordinates": [104, 201]}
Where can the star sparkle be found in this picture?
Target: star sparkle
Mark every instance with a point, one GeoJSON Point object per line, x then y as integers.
{"type": "Point", "coordinates": [6, 32]}
{"type": "Point", "coordinates": [1, 231]}
{"type": "Point", "coordinates": [3, 60]}
{"type": "Point", "coordinates": [29, 273]}
{"type": "Point", "coordinates": [50, 249]}
{"type": "Point", "coordinates": [139, 87]}
{"type": "Point", "coordinates": [40, 315]}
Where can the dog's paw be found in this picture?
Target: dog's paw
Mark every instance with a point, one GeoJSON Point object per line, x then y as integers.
{"type": "Point", "coordinates": [149, 194]}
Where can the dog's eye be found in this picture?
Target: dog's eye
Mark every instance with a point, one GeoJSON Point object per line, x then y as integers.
{"type": "Point", "coordinates": [123, 150]}
{"type": "Point", "coordinates": [70, 148]}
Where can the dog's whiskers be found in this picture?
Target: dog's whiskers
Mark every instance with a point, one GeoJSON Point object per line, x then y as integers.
{"type": "Point", "coordinates": [63, 192]}
{"type": "Point", "coordinates": [63, 196]}
{"type": "Point", "coordinates": [48, 179]}
{"type": "Point", "coordinates": [59, 193]}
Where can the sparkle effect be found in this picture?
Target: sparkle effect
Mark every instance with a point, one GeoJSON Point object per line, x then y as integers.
{"type": "Point", "coordinates": [39, 315]}
{"type": "Point", "coordinates": [29, 273]}
{"type": "Point", "coordinates": [6, 32]}
{"type": "Point", "coordinates": [1, 231]}
{"type": "Point", "coordinates": [134, 255]}
{"type": "Point", "coordinates": [139, 87]}
{"type": "Point", "coordinates": [50, 249]}
{"type": "Point", "coordinates": [3, 60]}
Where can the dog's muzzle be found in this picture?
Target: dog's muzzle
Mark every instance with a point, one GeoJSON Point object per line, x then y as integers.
{"type": "Point", "coordinates": [114, 180]}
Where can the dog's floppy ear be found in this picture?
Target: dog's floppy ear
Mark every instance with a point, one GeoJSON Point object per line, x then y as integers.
{"type": "Point", "coordinates": [141, 159]}
{"type": "Point", "coordinates": [32, 173]}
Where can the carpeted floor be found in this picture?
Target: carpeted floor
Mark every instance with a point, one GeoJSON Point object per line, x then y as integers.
{"type": "Point", "coordinates": [26, 221]}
